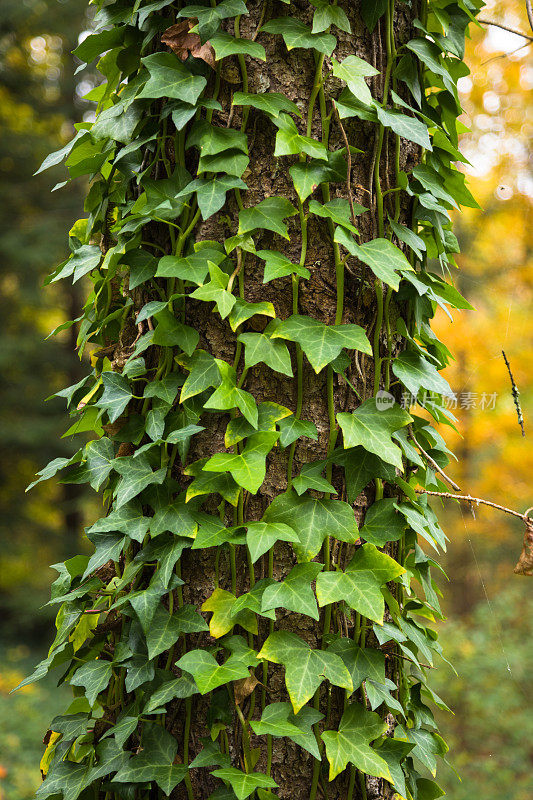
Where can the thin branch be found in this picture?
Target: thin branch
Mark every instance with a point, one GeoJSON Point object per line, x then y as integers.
{"type": "Point", "coordinates": [434, 463]}
{"type": "Point", "coordinates": [507, 28]}
{"type": "Point", "coordinates": [529, 10]}
{"type": "Point", "coordinates": [515, 393]}
{"type": "Point", "coordinates": [505, 55]}
{"type": "Point", "coordinates": [348, 164]}
{"type": "Point", "coordinates": [399, 655]}
{"type": "Point", "coordinates": [477, 500]}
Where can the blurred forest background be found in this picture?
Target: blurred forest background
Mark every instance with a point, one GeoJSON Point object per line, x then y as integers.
{"type": "Point", "coordinates": [489, 631]}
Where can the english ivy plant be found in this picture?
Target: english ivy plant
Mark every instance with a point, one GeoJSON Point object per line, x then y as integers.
{"type": "Point", "coordinates": [244, 627]}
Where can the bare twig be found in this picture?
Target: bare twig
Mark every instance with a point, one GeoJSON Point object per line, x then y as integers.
{"type": "Point", "coordinates": [507, 28]}
{"type": "Point", "coordinates": [515, 393]}
{"type": "Point", "coordinates": [529, 10]}
{"type": "Point", "coordinates": [348, 164]}
{"type": "Point", "coordinates": [505, 55]}
{"type": "Point", "coordinates": [399, 655]}
{"type": "Point", "coordinates": [477, 500]}
{"type": "Point", "coordinates": [434, 463]}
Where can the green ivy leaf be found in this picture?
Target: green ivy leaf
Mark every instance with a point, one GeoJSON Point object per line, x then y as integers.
{"type": "Point", "coordinates": [165, 628]}
{"type": "Point", "coordinates": [313, 519]}
{"type": "Point", "coordinates": [407, 127]}
{"type": "Point", "coordinates": [327, 15]}
{"type": "Point", "coordinates": [176, 517]}
{"type": "Point", "coordinates": [128, 519]}
{"type": "Point", "coordinates": [311, 477]}
{"type": "Point", "coordinates": [360, 467]}
{"type": "Point", "coordinates": [393, 751]}
{"type": "Point", "coordinates": [292, 428]}
{"type": "Point", "coordinates": [268, 414]}
{"type": "Point", "coordinates": [155, 762]}
{"type": "Point", "coordinates": [231, 162]}
{"type": "Point", "coordinates": [416, 372]}
{"type": "Point", "coordinates": [65, 778]}
{"type": "Point", "coordinates": [208, 674]}
{"type": "Point", "coordinates": [351, 743]}
{"type": "Point", "coordinates": [382, 523]}
{"type": "Point", "coordinates": [322, 343]}
{"type": "Point", "coordinates": [338, 211]}
{"type": "Point", "coordinates": [252, 600]}
{"type": "Point", "coordinates": [108, 547]}
{"type": "Point", "coordinates": [139, 671]}
{"type": "Point", "coordinates": [221, 604]}
{"type": "Point", "coordinates": [227, 396]}
{"type": "Point", "coordinates": [272, 103]}
{"type": "Point", "coordinates": [209, 17]}
{"type": "Point", "coordinates": [268, 215]}
{"type": "Point", "coordinates": [371, 11]}
{"type": "Point", "coordinates": [243, 311]}
{"type": "Point", "coordinates": [296, 34]}
{"type": "Point", "coordinates": [211, 193]}
{"type": "Point", "coordinates": [94, 677]}
{"type": "Point", "coordinates": [212, 140]}
{"type": "Point", "coordinates": [289, 141]}
{"type": "Point", "coordinates": [171, 333]}
{"type": "Point", "coordinates": [248, 468]}
{"type": "Point", "coordinates": [136, 474]}
{"type": "Point", "coordinates": [305, 668]}
{"type": "Point", "coordinates": [193, 267]}
{"type": "Point", "coordinates": [354, 70]}
{"type": "Point", "coordinates": [279, 720]}
{"type": "Point", "coordinates": [260, 348]}
{"type": "Point", "coordinates": [307, 177]}
{"type": "Point", "coordinates": [203, 373]}
{"type": "Point", "coordinates": [261, 536]}
{"type": "Point", "coordinates": [179, 688]}
{"type": "Point", "coordinates": [360, 586]}
{"type": "Point", "coordinates": [428, 745]}
{"type": "Point", "coordinates": [170, 78]}
{"type": "Point", "coordinates": [215, 290]}
{"type": "Point", "coordinates": [408, 237]}
{"type": "Point", "coordinates": [383, 257]}
{"type": "Point", "coordinates": [82, 261]}
{"type": "Point", "coordinates": [244, 783]}
{"type": "Point", "coordinates": [97, 43]}
{"type": "Point", "coordinates": [99, 455]}
{"type": "Point", "coordinates": [294, 592]}
{"type": "Point", "coordinates": [372, 428]}
{"type": "Point", "coordinates": [116, 396]}
{"type": "Point", "coordinates": [226, 45]}
{"type": "Point", "coordinates": [278, 266]}
{"type": "Point", "coordinates": [361, 662]}
{"type": "Point", "coordinates": [379, 693]}
{"type": "Point", "coordinates": [210, 483]}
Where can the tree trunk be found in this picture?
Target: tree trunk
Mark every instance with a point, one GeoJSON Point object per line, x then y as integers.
{"type": "Point", "coordinates": [292, 73]}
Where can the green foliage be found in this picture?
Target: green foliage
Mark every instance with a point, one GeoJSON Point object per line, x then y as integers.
{"type": "Point", "coordinates": [145, 210]}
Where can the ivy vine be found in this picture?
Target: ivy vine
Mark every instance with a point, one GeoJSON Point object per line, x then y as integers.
{"type": "Point", "coordinates": [127, 642]}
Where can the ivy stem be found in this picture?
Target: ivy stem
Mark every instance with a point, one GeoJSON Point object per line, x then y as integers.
{"type": "Point", "coordinates": [186, 735]}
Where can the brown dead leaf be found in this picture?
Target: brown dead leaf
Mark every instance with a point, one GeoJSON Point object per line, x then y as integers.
{"type": "Point", "coordinates": [525, 562]}
{"type": "Point", "coordinates": [243, 688]}
{"type": "Point", "coordinates": [182, 42]}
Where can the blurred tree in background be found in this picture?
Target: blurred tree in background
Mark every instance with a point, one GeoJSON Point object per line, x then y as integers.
{"type": "Point", "coordinates": [39, 100]}
{"type": "Point", "coordinates": [489, 637]}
